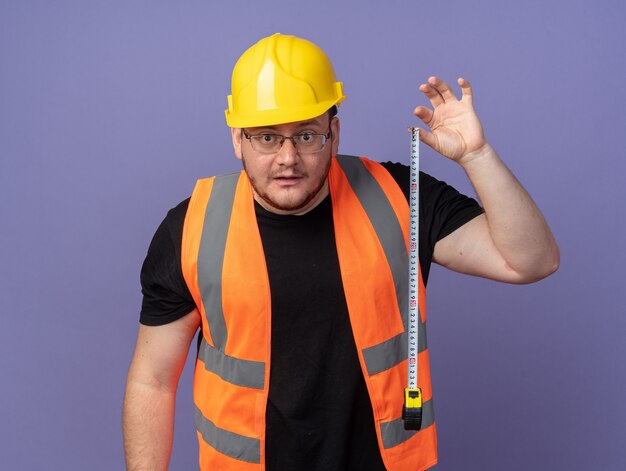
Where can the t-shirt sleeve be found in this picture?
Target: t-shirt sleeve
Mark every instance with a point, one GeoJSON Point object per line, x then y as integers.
{"type": "Point", "coordinates": [442, 209]}
{"type": "Point", "coordinates": [166, 296]}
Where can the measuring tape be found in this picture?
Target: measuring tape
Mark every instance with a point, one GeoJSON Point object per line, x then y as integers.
{"type": "Point", "coordinates": [412, 409]}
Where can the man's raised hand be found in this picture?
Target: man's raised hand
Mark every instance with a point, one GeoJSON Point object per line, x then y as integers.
{"type": "Point", "coordinates": [455, 130]}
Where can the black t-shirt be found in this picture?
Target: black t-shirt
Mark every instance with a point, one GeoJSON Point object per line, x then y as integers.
{"type": "Point", "coordinates": [319, 415]}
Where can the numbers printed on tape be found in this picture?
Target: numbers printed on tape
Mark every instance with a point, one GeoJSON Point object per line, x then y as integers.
{"type": "Point", "coordinates": [413, 346]}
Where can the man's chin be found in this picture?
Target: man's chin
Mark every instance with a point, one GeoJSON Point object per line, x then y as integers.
{"type": "Point", "coordinates": [286, 204]}
{"type": "Point", "coordinates": [288, 200]}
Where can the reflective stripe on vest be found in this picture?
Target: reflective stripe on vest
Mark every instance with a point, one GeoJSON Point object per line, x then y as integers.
{"type": "Point", "coordinates": [211, 255]}
{"type": "Point", "coordinates": [393, 432]}
{"type": "Point", "coordinates": [246, 373]}
{"type": "Point", "coordinates": [229, 443]}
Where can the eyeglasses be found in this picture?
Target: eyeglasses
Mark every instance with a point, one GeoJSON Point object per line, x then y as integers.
{"type": "Point", "coordinates": [304, 143]}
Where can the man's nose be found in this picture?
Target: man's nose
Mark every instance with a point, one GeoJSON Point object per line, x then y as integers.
{"type": "Point", "coordinates": [288, 154]}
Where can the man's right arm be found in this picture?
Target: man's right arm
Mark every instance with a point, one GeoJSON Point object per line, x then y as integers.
{"type": "Point", "coordinates": [150, 400]}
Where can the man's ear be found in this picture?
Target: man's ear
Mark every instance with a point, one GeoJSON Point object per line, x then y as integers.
{"type": "Point", "coordinates": [335, 128]}
{"type": "Point", "coordinates": [236, 133]}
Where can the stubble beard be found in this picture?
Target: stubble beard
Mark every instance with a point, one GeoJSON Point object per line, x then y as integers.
{"type": "Point", "coordinates": [287, 206]}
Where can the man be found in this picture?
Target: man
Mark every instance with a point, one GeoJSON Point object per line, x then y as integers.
{"type": "Point", "coordinates": [294, 271]}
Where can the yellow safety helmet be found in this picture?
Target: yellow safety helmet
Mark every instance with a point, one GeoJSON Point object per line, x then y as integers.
{"type": "Point", "coordinates": [281, 79]}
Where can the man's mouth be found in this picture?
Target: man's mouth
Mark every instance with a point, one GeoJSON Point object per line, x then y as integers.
{"type": "Point", "coordinates": [287, 180]}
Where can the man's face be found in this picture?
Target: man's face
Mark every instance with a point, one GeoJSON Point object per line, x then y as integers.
{"type": "Point", "coordinates": [289, 182]}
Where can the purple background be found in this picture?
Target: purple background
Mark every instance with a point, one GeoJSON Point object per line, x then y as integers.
{"type": "Point", "coordinates": [109, 111]}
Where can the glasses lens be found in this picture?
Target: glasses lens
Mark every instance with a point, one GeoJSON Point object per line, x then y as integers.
{"type": "Point", "coordinates": [309, 143]}
{"type": "Point", "coordinates": [266, 143]}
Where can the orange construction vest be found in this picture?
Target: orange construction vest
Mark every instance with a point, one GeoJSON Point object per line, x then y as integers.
{"type": "Point", "coordinates": [224, 267]}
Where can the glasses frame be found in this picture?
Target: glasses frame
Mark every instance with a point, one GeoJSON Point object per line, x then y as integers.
{"type": "Point", "coordinates": [282, 138]}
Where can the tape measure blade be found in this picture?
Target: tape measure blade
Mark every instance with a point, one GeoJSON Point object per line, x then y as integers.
{"type": "Point", "coordinates": [413, 337]}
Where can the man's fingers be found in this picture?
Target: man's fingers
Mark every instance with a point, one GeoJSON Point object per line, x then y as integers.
{"type": "Point", "coordinates": [428, 138]}
{"type": "Point", "coordinates": [424, 113]}
{"type": "Point", "coordinates": [432, 94]}
{"type": "Point", "coordinates": [442, 88]}
{"type": "Point", "coordinates": [466, 88]}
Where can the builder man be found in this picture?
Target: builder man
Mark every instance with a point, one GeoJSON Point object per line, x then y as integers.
{"type": "Point", "coordinates": [295, 271]}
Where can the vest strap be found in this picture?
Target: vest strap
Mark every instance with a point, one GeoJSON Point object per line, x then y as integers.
{"type": "Point", "coordinates": [211, 254]}
{"type": "Point", "coordinates": [381, 215]}
{"type": "Point", "coordinates": [237, 371]}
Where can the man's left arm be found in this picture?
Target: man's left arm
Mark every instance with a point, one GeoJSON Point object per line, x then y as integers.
{"type": "Point", "coordinates": [511, 242]}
